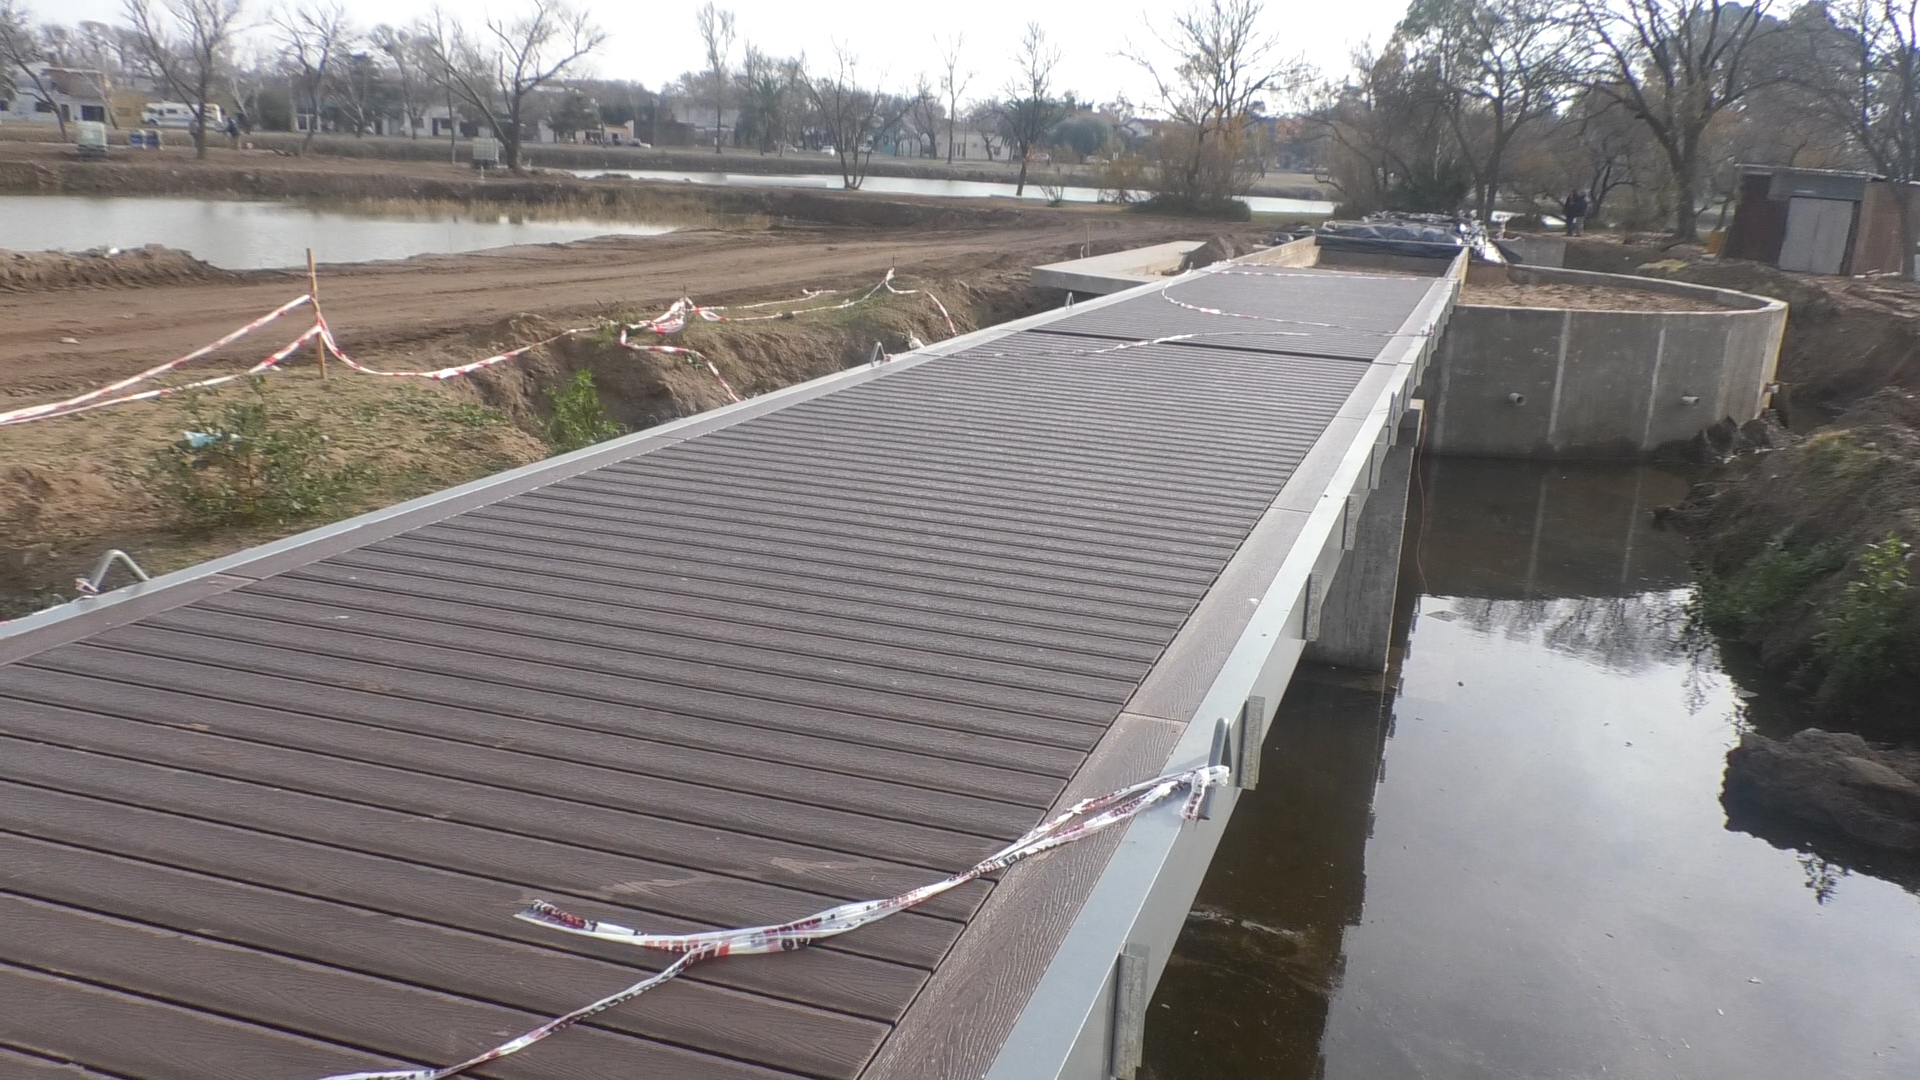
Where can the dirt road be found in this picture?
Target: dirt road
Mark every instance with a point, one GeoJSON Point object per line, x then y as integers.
{"type": "Point", "coordinates": [65, 339]}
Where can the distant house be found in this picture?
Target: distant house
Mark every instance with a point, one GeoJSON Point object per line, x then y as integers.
{"type": "Point", "coordinates": [969, 142]}
{"type": "Point", "coordinates": [1819, 221]}
{"type": "Point", "coordinates": [70, 94]}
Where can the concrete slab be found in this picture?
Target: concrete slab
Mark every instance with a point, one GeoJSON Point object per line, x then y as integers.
{"type": "Point", "coordinates": [1100, 275]}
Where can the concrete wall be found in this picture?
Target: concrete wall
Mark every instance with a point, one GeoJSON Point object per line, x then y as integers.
{"type": "Point", "coordinates": [1555, 382]}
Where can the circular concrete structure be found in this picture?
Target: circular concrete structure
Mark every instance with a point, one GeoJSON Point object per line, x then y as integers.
{"type": "Point", "coordinates": [1582, 383]}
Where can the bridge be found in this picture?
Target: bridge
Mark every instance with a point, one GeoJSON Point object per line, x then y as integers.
{"type": "Point", "coordinates": [270, 817]}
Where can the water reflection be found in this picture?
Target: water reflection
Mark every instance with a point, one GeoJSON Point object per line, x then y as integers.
{"type": "Point", "coordinates": [1513, 863]}
{"type": "Point", "coordinates": [262, 235]}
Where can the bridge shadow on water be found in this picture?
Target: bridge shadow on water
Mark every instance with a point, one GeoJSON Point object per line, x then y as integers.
{"type": "Point", "coordinates": [1506, 857]}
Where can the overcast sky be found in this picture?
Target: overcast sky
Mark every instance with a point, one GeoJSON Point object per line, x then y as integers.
{"type": "Point", "coordinates": [654, 42]}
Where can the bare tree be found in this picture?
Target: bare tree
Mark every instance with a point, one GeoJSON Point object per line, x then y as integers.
{"type": "Point", "coordinates": [851, 115]}
{"type": "Point", "coordinates": [768, 88]}
{"type": "Point", "coordinates": [925, 110]}
{"type": "Point", "coordinates": [716, 34]}
{"type": "Point", "coordinates": [1504, 64]}
{"type": "Point", "coordinates": [1030, 109]}
{"type": "Point", "coordinates": [1675, 65]}
{"type": "Point", "coordinates": [401, 49]}
{"type": "Point", "coordinates": [498, 72]}
{"type": "Point", "coordinates": [312, 38]}
{"type": "Point", "coordinates": [953, 83]}
{"type": "Point", "coordinates": [21, 50]}
{"type": "Point", "coordinates": [185, 43]}
{"type": "Point", "coordinates": [1223, 66]}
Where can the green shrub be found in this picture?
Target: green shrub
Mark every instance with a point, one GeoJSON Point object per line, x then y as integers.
{"type": "Point", "coordinates": [1859, 640]}
{"type": "Point", "coordinates": [1731, 603]}
{"type": "Point", "coordinates": [578, 417]}
{"type": "Point", "coordinates": [249, 464]}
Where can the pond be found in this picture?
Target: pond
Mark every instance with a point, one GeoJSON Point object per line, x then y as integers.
{"type": "Point", "coordinates": [896, 185]}
{"type": "Point", "coordinates": [1509, 861]}
{"type": "Point", "coordinates": [261, 235]}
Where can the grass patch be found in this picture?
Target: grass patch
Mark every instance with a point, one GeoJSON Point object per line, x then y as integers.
{"type": "Point", "coordinates": [579, 417]}
{"type": "Point", "coordinates": [251, 462]}
{"type": "Point", "coordinates": [1861, 633]}
{"type": "Point", "coordinates": [1779, 576]}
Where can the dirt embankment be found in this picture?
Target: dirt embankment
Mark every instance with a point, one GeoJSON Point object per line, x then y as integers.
{"type": "Point", "coordinates": [38, 271]}
{"type": "Point", "coordinates": [1800, 547]}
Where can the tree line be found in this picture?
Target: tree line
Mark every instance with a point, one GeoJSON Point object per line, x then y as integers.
{"type": "Point", "coordinates": [1643, 105]}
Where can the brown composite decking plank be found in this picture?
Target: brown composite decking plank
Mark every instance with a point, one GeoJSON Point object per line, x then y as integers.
{"type": "Point", "coordinates": [703, 511]}
{"type": "Point", "coordinates": [58, 1018]}
{"type": "Point", "coordinates": [471, 785]}
{"type": "Point", "coordinates": [652, 520]}
{"type": "Point", "coordinates": [15, 1065]}
{"type": "Point", "coordinates": [1118, 528]}
{"type": "Point", "coordinates": [1019, 443]}
{"type": "Point", "coordinates": [1152, 436]}
{"type": "Point", "coordinates": [458, 962]}
{"type": "Point", "coordinates": [592, 622]}
{"type": "Point", "coordinates": [657, 889]}
{"type": "Point", "coordinates": [386, 1020]}
{"type": "Point", "coordinates": [1056, 607]}
{"type": "Point", "coordinates": [455, 541]}
{"type": "Point", "coordinates": [549, 573]}
{"type": "Point", "coordinates": [624, 740]}
{"type": "Point", "coordinates": [831, 652]}
{"type": "Point", "coordinates": [696, 615]}
{"type": "Point", "coordinates": [930, 464]}
{"type": "Point", "coordinates": [654, 710]}
{"type": "Point", "coordinates": [481, 655]}
{"type": "Point", "coordinates": [1091, 507]}
{"type": "Point", "coordinates": [635, 516]}
{"type": "Point", "coordinates": [696, 508]}
{"type": "Point", "coordinates": [824, 978]}
{"type": "Point", "coordinates": [858, 447]}
{"type": "Point", "coordinates": [933, 467]}
{"type": "Point", "coordinates": [612, 650]}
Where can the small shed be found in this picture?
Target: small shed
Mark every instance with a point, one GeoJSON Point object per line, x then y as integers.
{"type": "Point", "coordinates": [1818, 221]}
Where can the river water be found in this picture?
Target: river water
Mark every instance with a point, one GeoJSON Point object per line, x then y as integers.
{"type": "Point", "coordinates": [1508, 859]}
{"type": "Point", "coordinates": [899, 185]}
{"type": "Point", "coordinates": [260, 235]}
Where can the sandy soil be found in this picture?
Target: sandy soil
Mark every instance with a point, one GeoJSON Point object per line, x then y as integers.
{"type": "Point", "coordinates": [401, 313]}
{"type": "Point", "coordinates": [1577, 297]}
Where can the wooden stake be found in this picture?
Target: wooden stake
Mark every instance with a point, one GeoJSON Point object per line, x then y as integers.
{"type": "Point", "coordinates": [313, 291]}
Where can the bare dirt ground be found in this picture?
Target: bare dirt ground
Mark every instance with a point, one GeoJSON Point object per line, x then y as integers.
{"type": "Point", "coordinates": [1577, 297]}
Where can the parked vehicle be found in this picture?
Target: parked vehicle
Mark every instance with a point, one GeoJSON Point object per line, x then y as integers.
{"type": "Point", "coordinates": [173, 114]}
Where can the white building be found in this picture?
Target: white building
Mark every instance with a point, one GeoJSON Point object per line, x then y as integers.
{"type": "Point", "coordinates": [70, 94]}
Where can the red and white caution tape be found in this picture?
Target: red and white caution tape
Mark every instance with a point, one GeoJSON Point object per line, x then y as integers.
{"type": "Point", "coordinates": [669, 322]}
{"type": "Point", "coordinates": [73, 404]}
{"type": "Point", "coordinates": [1081, 820]}
{"type": "Point", "coordinates": [438, 374]}
{"type": "Point", "coordinates": [693, 356]}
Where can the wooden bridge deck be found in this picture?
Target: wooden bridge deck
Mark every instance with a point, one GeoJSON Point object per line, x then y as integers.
{"type": "Point", "coordinates": [271, 819]}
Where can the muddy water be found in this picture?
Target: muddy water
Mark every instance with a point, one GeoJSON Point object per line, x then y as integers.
{"type": "Point", "coordinates": [1511, 861]}
{"type": "Point", "coordinates": [953, 189]}
{"type": "Point", "coordinates": [260, 235]}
